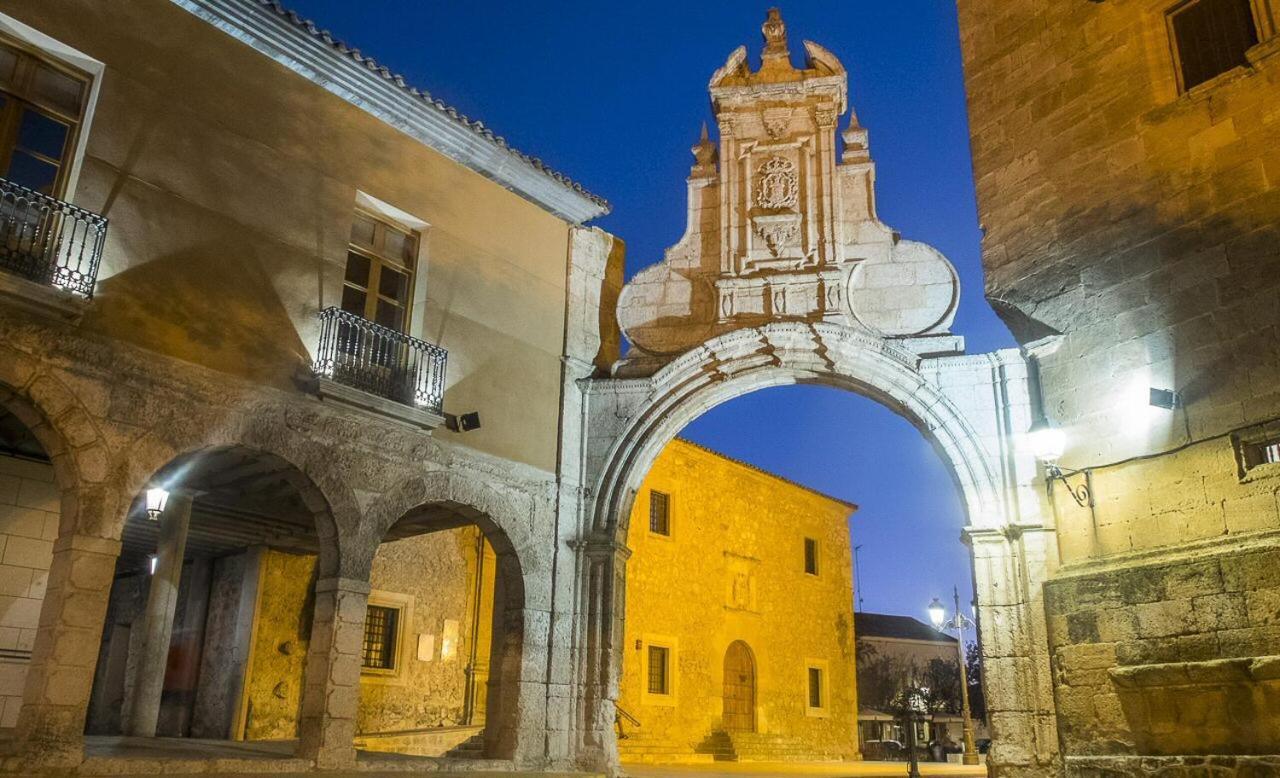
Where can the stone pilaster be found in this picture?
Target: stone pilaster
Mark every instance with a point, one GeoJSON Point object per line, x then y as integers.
{"type": "Point", "coordinates": [1010, 566]}
{"type": "Point", "coordinates": [331, 685]}
{"type": "Point", "coordinates": [60, 677]}
{"type": "Point", "coordinates": [605, 586]}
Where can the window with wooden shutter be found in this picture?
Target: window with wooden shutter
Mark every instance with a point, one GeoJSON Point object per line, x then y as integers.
{"type": "Point", "coordinates": [1211, 37]}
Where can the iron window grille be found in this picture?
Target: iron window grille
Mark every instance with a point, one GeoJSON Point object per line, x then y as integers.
{"type": "Point", "coordinates": [47, 241]}
{"type": "Point", "coordinates": [381, 625]}
{"type": "Point", "coordinates": [1210, 37]}
{"type": "Point", "coordinates": [659, 513]}
{"type": "Point", "coordinates": [659, 664]}
{"type": "Point", "coordinates": [375, 359]}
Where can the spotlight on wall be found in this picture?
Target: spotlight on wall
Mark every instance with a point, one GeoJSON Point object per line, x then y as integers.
{"type": "Point", "coordinates": [157, 498]}
{"type": "Point", "coordinates": [464, 422]}
{"type": "Point", "coordinates": [1165, 398]}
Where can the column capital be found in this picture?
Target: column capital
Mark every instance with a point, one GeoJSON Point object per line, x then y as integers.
{"type": "Point", "coordinates": [598, 546]}
{"type": "Point", "coordinates": [339, 584]}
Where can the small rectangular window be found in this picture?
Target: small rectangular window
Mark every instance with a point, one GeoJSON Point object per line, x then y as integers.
{"type": "Point", "coordinates": [659, 513]}
{"type": "Point", "coordinates": [811, 556]}
{"type": "Point", "coordinates": [1211, 37]}
{"type": "Point", "coordinates": [815, 687]}
{"type": "Point", "coordinates": [381, 625]}
{"type": "Point", "coordinates": [659, 664]}
{"type": "Point", "coordinates": [1256, 446]}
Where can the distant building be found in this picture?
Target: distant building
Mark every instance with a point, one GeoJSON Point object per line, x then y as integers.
{"type": "Point", "coordinates": [891, 650]}
{"type": "Point", "coordinates": [739, 622]}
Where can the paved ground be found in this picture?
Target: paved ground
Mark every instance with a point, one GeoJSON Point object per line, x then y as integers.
{"type": "Point", "coordinates": [789, 769]}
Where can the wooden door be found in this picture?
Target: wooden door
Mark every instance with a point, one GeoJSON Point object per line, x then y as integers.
{"type": "Point", "coordinates": [739, 688]}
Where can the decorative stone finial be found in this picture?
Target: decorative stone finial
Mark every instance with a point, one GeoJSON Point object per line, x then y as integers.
{"type": "Point", "coordinates": [704, 152]}
{"type": "Point", "coordinates": [775, 37]}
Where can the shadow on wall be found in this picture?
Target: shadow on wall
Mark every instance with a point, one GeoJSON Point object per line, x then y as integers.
{"type": "Point", "coordinates": [213, 304]}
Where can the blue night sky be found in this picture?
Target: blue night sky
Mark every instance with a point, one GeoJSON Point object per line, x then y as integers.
{"type": "Point", "coordinates": [613, 94]}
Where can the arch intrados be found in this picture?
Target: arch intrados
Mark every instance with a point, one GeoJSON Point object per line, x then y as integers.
{"type": "Point", "coordinates": [193, 466]}
{"type": "Point", "coordinates": [443, 515]}
{"type": "Point", "coordinates": [41, 427]}
{"type": "Point", "coordinates": [744, 361]}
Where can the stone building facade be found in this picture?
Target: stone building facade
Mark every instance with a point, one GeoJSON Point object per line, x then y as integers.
{"type": "Point", "coordinates": [190, 281]}
{"type": "Point", "coordinates": [1127, 157]}
{"type": "Point", "coordinates": [739, 619]}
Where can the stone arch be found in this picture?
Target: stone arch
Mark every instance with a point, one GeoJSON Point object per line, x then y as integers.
{"type": "Point", "coordinates": [457, 499]}
{"type": "Point", "coordinates": [778, 354]}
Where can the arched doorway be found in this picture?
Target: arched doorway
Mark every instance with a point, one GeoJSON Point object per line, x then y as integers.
{"type": "Point", "coordinates": [739, 688]}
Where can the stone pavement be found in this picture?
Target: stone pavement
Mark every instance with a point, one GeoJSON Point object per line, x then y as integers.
{"type": "Point", "coordinates": [787, 769]}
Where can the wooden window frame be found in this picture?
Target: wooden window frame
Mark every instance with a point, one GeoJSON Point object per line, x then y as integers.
{"type": "Point", "coordinates": [1257, 14]}
{"type": "Point", "coordinates": [666, 531]}
{"type": "Point", "coordinates": [19, 95]}
{"type": "Point", "coordinates": [822, 667]}
{"type": "Point", "coordinates": [816, 572]}
{"type": "Point", "coordinates": [378, 258]}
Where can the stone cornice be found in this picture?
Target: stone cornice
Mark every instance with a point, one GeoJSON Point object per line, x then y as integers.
{"type": "Point", "coordinates": [343, 71]}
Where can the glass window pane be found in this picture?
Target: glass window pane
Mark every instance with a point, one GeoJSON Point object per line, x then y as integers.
{"type": "Point", "coordinates": [362, 228]}
{"type": "Point", "coordinates": [393, 284]}
{"type": "Point", "coordinates": [58, 90]}
{"type": "Point", "coordinates": [353, 300]}
{"type": "Point", "coordinates": [26, 170]}
{"type": "Point", "coordinates": [357, 269]}
{"type": "Point", "coordinates": [390, 315]}
{"type": "Point", "coordinates": [42, 134]}
{"type": "Point", "coordinates": [397, 245]}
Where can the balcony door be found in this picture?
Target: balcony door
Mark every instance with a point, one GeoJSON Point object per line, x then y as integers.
{"type": "Point", "coordinates": [41, 107]}
{"type": "Point", "coordinates": [380, 267]}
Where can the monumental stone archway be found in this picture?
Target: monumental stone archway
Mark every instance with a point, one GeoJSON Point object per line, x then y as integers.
{"type": "Point", "coordinates": [786, 275]}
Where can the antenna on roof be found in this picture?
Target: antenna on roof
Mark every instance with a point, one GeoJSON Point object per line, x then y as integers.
{"type": "Point", "coordinates": [857, 579]}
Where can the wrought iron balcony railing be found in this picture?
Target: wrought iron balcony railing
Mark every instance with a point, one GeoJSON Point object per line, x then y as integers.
{"type": "Point", "coordinates": [45, 240]}
{"type": "Point", "coordinates": [356, 352]}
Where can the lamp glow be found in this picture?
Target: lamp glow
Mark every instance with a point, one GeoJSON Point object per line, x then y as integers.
{"type": "Point", "coordinates": [937, 613]}
{"type": "Point", "coordinates": [1046, 441]}
{"type": "Point", "coordinates": [157, 498]}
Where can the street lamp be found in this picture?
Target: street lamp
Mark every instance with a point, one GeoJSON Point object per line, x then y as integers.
{"type": "Point", "coordinates": [938, 615]}
{"type": "Point", "coordinates": [157, 498]}
{"type": "Point", "coordinates": [1046, 442]}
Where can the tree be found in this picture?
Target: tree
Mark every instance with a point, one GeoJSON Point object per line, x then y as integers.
{"type": "Point", "coordinates": [973, 669]}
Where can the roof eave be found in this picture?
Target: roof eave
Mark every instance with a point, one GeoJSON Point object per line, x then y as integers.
{"type": "Point", "coordinates": [384, 96]}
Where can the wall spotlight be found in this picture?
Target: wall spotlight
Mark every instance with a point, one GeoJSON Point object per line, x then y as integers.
{"type": "Point", "coordinates": [1165, 398]}
{"type": "Point", "coordinates": [464, 422]}
{"type": "Point", "coordinates": [157, 498]}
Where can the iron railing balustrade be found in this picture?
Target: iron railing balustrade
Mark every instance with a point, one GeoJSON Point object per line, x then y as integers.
{"type": "Point", "coordinates": [358, 353]}
{"type": "Point", "coordinates": [45, 240]}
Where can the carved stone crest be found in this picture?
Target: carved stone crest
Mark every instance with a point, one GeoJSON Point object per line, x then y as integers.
{"type": "Point", "coordinates": [777, 187]}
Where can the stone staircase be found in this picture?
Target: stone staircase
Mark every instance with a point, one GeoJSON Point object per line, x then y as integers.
{"type": "Point", "coordinates": [722, 746]}
{"type": "Point", "coordinates": [635, 748]}
{"type": "Point", "coordinates": [761, 747]}
{"type": "Point", "coordinates": [471, 748]}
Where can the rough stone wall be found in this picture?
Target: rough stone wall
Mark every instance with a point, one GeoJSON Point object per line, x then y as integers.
{"type": "Point", "coordinates": [1146, 234]}
{"type": "Point", "coordinates": [733, 569]}
{"type": "Point", "coordinates": [28, 526]}
{"type": "Point", "coordinates": [1131, 242]}
{"type": "Point", "coordinates": [1170, 657]}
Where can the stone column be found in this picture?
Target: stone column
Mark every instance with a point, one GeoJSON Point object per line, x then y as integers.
{"type": "Point", "coordinates": [1010, 567]}
{"type": "Point", "coordinates": [157, 622]}
{"type": "Point", "coordinates": [331, 681]}
{"type": "Point", "coordinates": [65, 654]}
{"type": "Point", "coordinates": [605, 572]}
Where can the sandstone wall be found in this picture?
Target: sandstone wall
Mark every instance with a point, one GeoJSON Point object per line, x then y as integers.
{"type": "Point", "coordinates": [733, 569]}
{"type": "Point", "coordinates": [1132, 242]}
{"type": "Point", "coordinates": [28, 527]}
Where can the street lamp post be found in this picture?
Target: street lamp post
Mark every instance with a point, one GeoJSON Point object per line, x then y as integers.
{"type": "Point", "coordinates": [938, 615]}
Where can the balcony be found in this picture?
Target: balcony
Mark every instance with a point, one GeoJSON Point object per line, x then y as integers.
{"type": "Point", "coordinates": [392, 373]}
{"type": "Point", "coordinates": [49, 242]}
